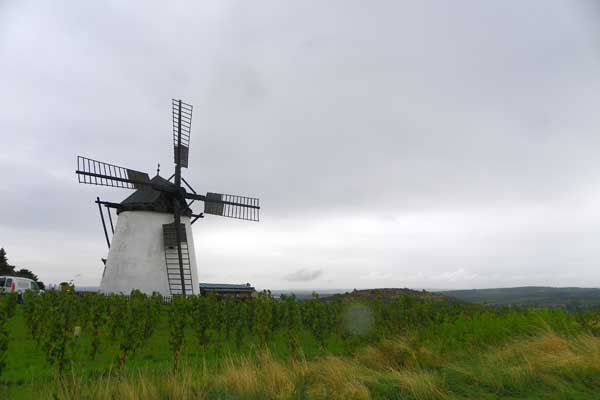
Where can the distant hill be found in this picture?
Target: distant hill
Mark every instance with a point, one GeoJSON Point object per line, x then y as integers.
{"type": "Point", "coordinates": [303, 294]}
{"type": "Point", "coordinates": [388, 294]}
{"type": "Point", "coordinates": [565, 297]}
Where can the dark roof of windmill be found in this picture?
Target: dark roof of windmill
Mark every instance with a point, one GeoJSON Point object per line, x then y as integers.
{"type": "Point", "coordinates": [149, 199]}
{"type": "Point", "coordinates": [148, 195]}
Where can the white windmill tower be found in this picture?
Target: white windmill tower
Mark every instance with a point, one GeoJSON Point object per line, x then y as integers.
{"type": "Point", "coordinates": [147, 252]}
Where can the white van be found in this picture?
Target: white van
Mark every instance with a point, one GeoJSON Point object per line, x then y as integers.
{"type": "Point", "coordinates": [11, 284]}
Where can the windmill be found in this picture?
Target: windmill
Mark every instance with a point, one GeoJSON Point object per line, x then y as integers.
{"type": "Point", "coordinates": [152, 247]}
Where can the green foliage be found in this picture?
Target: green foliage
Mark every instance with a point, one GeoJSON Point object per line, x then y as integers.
{"type": "Point", "coordinates": [3, 259]}
{"type": "Point", "coordinates": [292, 322]}
{"type": "Point", "coordinates": [34, 312]}
{"type": "Point", "coordinates": [571, 298]}
{"type": "Point", "coordinates": [589, 320]}
{"type": "Point", "coordinates": [177, 311]}
{"type": "Point", "coordinates": [117, 306]}
{"type": "Point", "coordinates": [8, 305]}
{"type": "Point", "coordinates": [61, 314]}
{"type": "Point", "coordinates": [317, 318]}
{"type": "Point", "coordinates": [25, 273]}
{"type": "Point", "coordinates": [96, 307]}
{"type": "Point", "coordinates": [229, 310]}
{"type": "Point", "coordinates": [5, 267]}
{"type": "Point", "coordinates": [262, 318]}
{"type": "Point", "coordinates": [152, 313]}
{"type": "Point", "coordinates": [203, 309]}
{"type": "Point", "coordinates": [130, 332]}
{"type": "Point", "coordinates": [241, 324]}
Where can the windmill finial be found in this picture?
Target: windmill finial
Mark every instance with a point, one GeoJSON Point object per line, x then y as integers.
{"type": "Point", "coordinates": [158, 169]}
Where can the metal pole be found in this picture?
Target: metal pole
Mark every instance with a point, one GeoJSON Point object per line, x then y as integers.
{"type": "Point", "coordinates": [103, 223]}
{"type": "Point", "coordinates": [112, 228]}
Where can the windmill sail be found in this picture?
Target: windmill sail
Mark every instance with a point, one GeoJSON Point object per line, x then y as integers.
{"type": "Point", "coordinates": [94, 172]}
{"type": "Point", "coordinates": [182, 128]}
{"type": "Point", "coordinates": [231, 206]}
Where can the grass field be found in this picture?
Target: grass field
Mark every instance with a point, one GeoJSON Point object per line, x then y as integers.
{"type": "Point", "coordinates": [481, 354]}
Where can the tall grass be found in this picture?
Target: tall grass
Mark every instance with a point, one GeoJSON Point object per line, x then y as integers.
{"type": "Point", "coordinates": [546, 365]}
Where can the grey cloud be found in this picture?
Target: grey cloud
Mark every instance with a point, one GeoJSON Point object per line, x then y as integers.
{"type": "Point", "coordinates": [304, 275]}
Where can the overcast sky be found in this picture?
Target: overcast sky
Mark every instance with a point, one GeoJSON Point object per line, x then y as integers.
{"type": "Point", "coordinates": [426, 144]}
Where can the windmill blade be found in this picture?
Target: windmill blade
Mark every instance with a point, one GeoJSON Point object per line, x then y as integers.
{"type": "Point", "coordinates": [182, 128]}
{"type": "Point", "coordinates": [94, 172]}
{"type": "Point", "coordinates": [227, 205]}
{"type": "Point", "coordinates": [231, 206]}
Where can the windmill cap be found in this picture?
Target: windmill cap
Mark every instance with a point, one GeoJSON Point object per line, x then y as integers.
{"type": "Point", "coordinates": [149, 199]}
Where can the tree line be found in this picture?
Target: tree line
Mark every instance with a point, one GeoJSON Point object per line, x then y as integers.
{"type": "Point", "coordinates": [11, 270]}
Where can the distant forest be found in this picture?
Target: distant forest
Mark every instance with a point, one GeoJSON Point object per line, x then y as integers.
{"type": "Point", "coordinates": [565, 297]}
{"type": "Point", "coordinates": [7, 269]}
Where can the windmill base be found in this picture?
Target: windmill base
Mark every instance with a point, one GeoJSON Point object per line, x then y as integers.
{"type": "Point", "coordinates": [136, 259]}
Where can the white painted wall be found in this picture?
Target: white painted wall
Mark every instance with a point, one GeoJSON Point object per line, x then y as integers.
{"type": "Point", "coordinates": [136, 259]}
